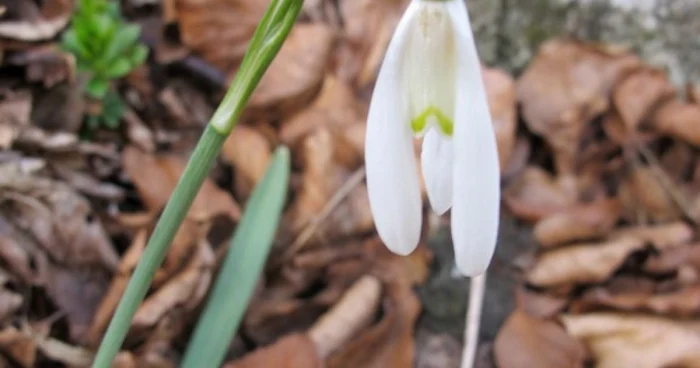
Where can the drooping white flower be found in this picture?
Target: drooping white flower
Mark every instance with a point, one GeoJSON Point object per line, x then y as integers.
{"type": "Point", "coordinates": [430, 85]}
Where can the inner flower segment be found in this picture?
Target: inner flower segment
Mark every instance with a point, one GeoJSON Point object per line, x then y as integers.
{"type": "Point", "coordinates": [429, 68]}
{"type": "Point", "coordinates": [432, 116]}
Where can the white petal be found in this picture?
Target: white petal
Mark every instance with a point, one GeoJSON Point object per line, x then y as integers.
{"type": "Point", "coordinates": [436, 161]}
{"type": "Point", "coordinates": [392, 175]}
{"type": "Point", "coordinates": [476, 201]}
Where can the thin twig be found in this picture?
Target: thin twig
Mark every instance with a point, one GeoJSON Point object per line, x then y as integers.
{"type": "Point", "coordinates": [312, 227]}
{"type": "Point", "coordinates": [472, 324]}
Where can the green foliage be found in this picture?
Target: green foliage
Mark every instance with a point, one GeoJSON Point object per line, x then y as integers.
{"type": "Point", "coordinates": [106, 48]}
{"type": "Point", "coordinates": [242, 267]}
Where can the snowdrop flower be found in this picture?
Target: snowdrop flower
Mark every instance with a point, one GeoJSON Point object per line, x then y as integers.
{"type": "Point", "coordinates": [430, 86]}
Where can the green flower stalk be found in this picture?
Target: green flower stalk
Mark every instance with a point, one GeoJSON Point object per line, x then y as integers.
{"type": "Point", "coordinates": [266, 43]}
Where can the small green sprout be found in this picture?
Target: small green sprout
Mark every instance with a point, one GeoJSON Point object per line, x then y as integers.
{"type": "Point", "coordinates": [106, 48]}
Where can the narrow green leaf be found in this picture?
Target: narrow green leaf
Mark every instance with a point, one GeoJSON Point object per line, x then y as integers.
{"type": "Point", "coordinates": [242, 267]}
{"type": "Point", "coordinates": [123, 40]}
{"type": "Point", "coordinates": [70, 43]}
{"type": "Point", "coordinates": [119, 68]}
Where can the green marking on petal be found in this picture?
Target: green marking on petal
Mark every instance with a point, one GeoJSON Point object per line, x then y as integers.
{"type": "Point", "coordinates": [444, 123]}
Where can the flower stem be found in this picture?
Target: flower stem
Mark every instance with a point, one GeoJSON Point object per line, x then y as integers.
{"type": "Point", "coordinates": [158, 245]}
{"type": "Point", "coordinates": [267, 41]}
{"type": "Point", "coordinates": [472, 323]}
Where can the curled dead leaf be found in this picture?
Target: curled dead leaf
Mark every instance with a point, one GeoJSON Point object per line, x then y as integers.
{"type": "Point", "coordinates": [353, 312]}
{"type": "Point", "coordinates": [15, 111]}
{"type": "Point", "coordinates": [48, 65]}
{"type": "Point", "coordinates": [617, 340]}
{"type": "Point", "coordinates": [206, 25]}
{"type": "Point", "coordinates": [678, 119]}
{"type": "Point", "coordinates": [30, 21]}
{"type": "Point", "coordinates": [583, 263]}
{"type": "Point", "coordinates": [335, 108]}
{"type": "Point", "coordinates": [390, 342]}
{"type": "Point", "coordinates": [639, 93]}
{"type": "Point", "coordinates": [179, 291]}
{"type": "Point", "coordinates": [672, 259]}
{"type": "Point", "coordinates": [660, 236]}
{"type": "Point", "coordinates": [291, 351]}
{"type": "Point", "coordinates": [155, 177]}
{"type": "Point", "coordinates": [584, 222]}
{"type": "Point", "coordinates": [535, 195]}
{"type": "Point", "coordinates": [322, 178]}
{"type": "Point", "coordinates": [566, 85]}
{"type": "Point", "coordinates": [525, 341]}
{"type": "Point", "coordinates": [537, 304]}
{"type": "Point", "coordinates": [683, 303]}
{"type": "Point", "coordinates": [18, 345]}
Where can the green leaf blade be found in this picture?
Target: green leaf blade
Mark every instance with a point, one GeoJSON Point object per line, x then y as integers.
{"type": "Point", "coordinates": [242, 267]}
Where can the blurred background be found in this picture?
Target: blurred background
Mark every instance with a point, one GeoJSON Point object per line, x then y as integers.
{"type": "Point", "coordinates": [597, 118]}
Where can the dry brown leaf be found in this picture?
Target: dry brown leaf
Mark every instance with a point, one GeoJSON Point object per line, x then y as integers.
{"type": "Point", "coordinates": [249, 152]}
{"type": "Point", "coordinates": [335, 108]}
{"type": "Point", "coordinates": [350, 146]}
{"type": "Point", "coordinates": [639, 341]}
{"type": "Point", "coordinates": [137, 131]}
{"type": "Point", "coordinates": [206, 25]}
{"type": "Point", "coordinates": [72, 356]}
{"type": "Point", "coordinates": [291, 351]}
{"type": "Point", "coordinates": [525, 341]}
{"type": "Point", "coordinates": [682, 303]}
{"type": "Point", "coordinates": [61, 241]}
{"type": "Point", "coordinates": [639, 93]}
{"type": "Point", "coordinates": [368, 26]}
{"type": "Point", "coordinates": [19, 346]}
{"type": "Point", "coordinates": [584, 222]}
{"type": "Point", "coordinates": [77, 291]}
{"type": "Point", "coordinates": [322, 177]}
{"type": "Point", "coordinates": [678, 119]}
{"type": "Point", "coordinates": [15, 111]}
{"type": "Point", "coordinates": [660, 236]}
{"type": "Point", "coordinates": [566, 85]}
{"type": "Point", "coordinates": [644, 197]}
{"type": "Point", "coordinates": [672, 259]}
{"type": "Point", "coordinates": [48, 65]}
{"type": "Point", "coordinates": [30, 21]}
{"type": "Point", "coordinates": [584, 263]}
{"type": "Point", "coordinates": [296, 74]}
{"type": "Point", "coordinates": [155, 177]}
{"type": "Point", "coordinates": [535, 195]}
{"type": "Point", "coordinates": [389, 343]}
{"type": "Point", "coordinates": [353, 312]}
{"type": "Point", "coordinates": [539, 305]}
{"type": "Point", "coordinates": [181, 290]}
{"type": "Point", "coordinates": [15, 253]}
{"type": "Point", "coordinates": [500, 88]}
